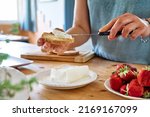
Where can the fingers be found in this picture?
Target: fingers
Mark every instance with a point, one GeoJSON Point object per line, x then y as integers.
{"type": "Point", "coordinates": [120, 23]}
{"type": "Point", "coordinates": [128, 29]}
{"type": "Point", "coordinates": [40, 42]}
{"type": "Point", "coordinates": [136, 33]}
{"type": "Point", "coordinates": [108, 26]}
{"type": "Point", "coordinates": [59, 49]}
{"type": "Point", "coordinates": [47, 47]}
{"type": "Point", "coordinates": [129, 24]}
{"type": "Point", "coordinates": [55, 47]}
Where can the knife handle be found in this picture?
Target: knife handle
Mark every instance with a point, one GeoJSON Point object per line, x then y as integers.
{"type": "Point", "coordinates": [107, 33]}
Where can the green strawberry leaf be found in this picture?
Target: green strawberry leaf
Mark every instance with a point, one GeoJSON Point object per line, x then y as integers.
{"type": "Point", "coordinates": [147, 68]}
{"type": "Point", "coordinates": [124, 71]}
{"type": "Point", "coordinates": [146, 94]}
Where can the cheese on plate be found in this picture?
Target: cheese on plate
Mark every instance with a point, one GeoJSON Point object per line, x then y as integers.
{"type": "Point", "coordinates": [69, 74]}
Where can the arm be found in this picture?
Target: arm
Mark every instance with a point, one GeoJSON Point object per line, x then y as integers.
{"type": "Point", "coordinates": [80, 26]}
{"type": "Point", "coordinates": [129, 24]}
{"type": "Point", "coordinates": [80, 23]}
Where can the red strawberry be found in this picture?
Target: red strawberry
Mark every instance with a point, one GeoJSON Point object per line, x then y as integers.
{"type": "Point", "coordinates": [114, 75]}
{"type": "Point", "coordinates": [123, 65]}
{"type": "Point", "coordinates": [144, 77]}
{"type": "Point", "coordinates": [123, 89]}
{"type": "Point", "coordinates": [126, 72]}
{"type": "Point", "coordinates": [115, 82]}
{"type": "Point", "coordinates": [135, 89]}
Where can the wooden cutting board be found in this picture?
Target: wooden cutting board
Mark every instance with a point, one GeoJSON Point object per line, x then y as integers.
{"type": "Point", "coordinates": [82, 57]}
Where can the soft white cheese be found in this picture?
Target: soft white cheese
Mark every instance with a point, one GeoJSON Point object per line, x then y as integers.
{"type": "Point", "coordinates": [69, 74]}
{"type": "Point", "coordinates": [61, 34]}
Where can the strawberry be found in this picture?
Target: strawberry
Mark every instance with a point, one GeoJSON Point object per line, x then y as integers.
{"type": "Point", "coordinates": [146, 92]}
{"type": "Point", "coordinates": [135, 89]}
{"type": "Point", "coordinates": [115, 82]}
{"type": "Point", "coordinates": [123, 89]}
{"type": "Point", "coordinates": [114, 75]}
{"type": "Point", "coordinates": [144, 77]}
{"type": "Point", "coordinates": [126, 72]}
{"type": "Point", "coordinates": [123, 65]}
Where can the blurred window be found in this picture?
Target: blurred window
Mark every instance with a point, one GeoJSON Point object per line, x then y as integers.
{"type": "Point", "coordinates": [8, 10]}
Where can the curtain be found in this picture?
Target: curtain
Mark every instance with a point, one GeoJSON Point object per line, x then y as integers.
{"type": "Point", "coordinates": [28, 14]}
{"type": "Point", "coordinates": [69, 12]}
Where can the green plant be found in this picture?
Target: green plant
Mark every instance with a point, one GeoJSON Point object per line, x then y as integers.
{"type": "Point", "coordinates": [15, 28]}
{"type": "Point", "coordinates": [3, 56]}
{"type": "Point", "coordinates": [7, 88]}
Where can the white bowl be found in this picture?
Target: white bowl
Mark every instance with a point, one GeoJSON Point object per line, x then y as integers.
{"type": "Point", "coordinates": [15, 76]}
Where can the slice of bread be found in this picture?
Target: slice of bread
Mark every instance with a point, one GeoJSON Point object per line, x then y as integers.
{"type": "Point", "coordinates": [55, 40]}
{"type": "Point", "coordinates": [50, 37]}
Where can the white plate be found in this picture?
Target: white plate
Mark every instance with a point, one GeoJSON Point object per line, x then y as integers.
{"type": "Point", "coordinates": [45, 76]}
{"type": "Point", "coordinates": [107, 86]}
{"type": "Point", "coordinates": [16, 76]}
{"type": "Point", "coordinates": [12, 61]}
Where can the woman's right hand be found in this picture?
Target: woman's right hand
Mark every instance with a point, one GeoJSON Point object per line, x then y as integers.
{"type": "Point", "coordinates": [53, 46]}
{"type": "Point", "coordinates": [130, 26]}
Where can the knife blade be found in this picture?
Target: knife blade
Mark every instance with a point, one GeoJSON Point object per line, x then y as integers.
{"type": "Point", "coordinates": [96, 34]}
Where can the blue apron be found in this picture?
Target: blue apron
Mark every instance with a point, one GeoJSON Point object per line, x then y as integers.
{"type": "Point", "coordinates": [123, 50]}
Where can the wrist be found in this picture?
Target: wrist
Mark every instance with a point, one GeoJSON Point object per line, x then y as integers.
{"type": "Point", "coordinates": [148, 20]}
{"type": "Point", "coordinates": [148, 23]}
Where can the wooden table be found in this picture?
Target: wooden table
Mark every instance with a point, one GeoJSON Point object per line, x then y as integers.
{"type": "Point", "coordinates": [93, 91]}
{"type": "Point", "coordinates": [11, 37]}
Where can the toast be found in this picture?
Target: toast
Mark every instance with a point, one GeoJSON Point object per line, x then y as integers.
{"type": "Point", "coordinates": [57, 36]}
{"type": "Point", "coordinates": [51, 42]}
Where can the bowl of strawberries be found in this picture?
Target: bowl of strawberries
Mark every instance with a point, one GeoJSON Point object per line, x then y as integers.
{"type": "Point", "coordinates": [128, 82]}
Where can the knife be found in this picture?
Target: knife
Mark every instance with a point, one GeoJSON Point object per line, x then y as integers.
{"type": "Point", "coordinates": [96, 34]}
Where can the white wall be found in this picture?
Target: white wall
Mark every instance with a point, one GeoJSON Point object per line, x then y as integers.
{"type": "Point", "coordinates": [50, 15]}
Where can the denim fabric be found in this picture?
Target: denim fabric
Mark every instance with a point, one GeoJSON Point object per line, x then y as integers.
{"type": "Point", "coordinates": [124, 50]}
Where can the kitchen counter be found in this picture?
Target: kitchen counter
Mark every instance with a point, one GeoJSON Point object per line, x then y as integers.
{"type": "Point", "coordinates": [93, 91]}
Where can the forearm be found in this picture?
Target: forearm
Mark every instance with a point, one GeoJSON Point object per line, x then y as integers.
{"type": "Point", "coordinates": [79, 39]}
{"type": "Point", "coordinates": [80, 23]}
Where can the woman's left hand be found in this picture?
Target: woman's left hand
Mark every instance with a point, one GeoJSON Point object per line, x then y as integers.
{"type": "Point", "coordinates": [130, 26]}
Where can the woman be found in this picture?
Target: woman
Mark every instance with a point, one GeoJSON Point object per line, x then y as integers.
{"type": "Point", "coordinates": [127, 16]}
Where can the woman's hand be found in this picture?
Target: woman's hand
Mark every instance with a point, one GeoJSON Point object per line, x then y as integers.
{"type": "Point", "coordinates": [53, 47]}
{"type": "Point", "coordinates": [130, 26]}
